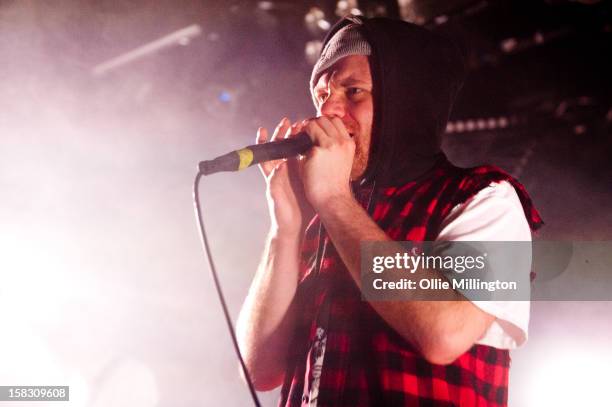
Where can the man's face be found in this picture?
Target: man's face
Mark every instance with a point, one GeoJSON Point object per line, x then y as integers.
{"type": "Point", "coordinates": [345, 90]}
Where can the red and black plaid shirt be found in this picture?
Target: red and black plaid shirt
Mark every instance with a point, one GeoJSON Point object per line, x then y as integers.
{"type": "Point", "coordinates": [366, 362]}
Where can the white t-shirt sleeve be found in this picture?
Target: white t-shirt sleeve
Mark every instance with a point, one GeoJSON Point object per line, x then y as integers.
{"type": "Point", "coordinates": [494, 214]}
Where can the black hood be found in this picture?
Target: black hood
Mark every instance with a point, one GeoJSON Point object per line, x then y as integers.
{"type": "Point", "coordinates": [416, 76]}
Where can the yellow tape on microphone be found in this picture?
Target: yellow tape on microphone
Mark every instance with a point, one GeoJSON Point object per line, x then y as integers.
{"type": "Point", "coordinates": [245, 157]}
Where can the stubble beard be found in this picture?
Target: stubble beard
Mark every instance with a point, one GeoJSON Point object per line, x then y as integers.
{"type": "Point", "coordinates": [360, 160]}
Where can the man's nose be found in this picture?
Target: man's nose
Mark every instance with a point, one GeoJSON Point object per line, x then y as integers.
{"type": "Point", "coordinates": [334, 105]}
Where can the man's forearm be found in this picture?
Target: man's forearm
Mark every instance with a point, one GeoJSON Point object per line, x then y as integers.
{"type": "Point", "coordinates": [267, 316]}
{"type": "Point", "coordinates": [441, 330]}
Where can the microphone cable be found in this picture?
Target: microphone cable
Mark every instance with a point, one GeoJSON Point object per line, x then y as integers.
{"type": "Point", "coordinates": [213, 272]}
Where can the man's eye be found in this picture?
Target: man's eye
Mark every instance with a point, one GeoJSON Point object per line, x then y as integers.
{"type": "Point", "coordinates": [354, 91]}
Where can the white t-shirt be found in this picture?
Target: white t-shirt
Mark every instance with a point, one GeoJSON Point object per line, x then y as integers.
{"type": "Point", "coordinates": [494, 214]}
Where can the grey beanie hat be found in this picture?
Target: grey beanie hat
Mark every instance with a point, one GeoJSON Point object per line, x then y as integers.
{"type": "Point", "coordinates": [347, 41]}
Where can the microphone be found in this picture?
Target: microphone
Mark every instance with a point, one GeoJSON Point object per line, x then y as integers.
{"type": "Point", "coordinates": [240, 159]}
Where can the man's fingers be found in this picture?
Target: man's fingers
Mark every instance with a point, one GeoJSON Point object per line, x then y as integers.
{"type": "Point", "coordinates": [295, 129]}
{"type": "Point", "coordinates": [328, 127]}
{"type": "Point", "coordinates": [334, 127]}
{"type": "Point", "coordinates": [262, 135]}
{"type": "Point", "coordinates": [340, 127]}
{"type": "Point", "coordinates": [281, 129]}
{"type": "Point", "coordinates": [319, 134]}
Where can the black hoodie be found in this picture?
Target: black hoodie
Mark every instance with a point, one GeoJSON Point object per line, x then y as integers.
{"type": "Point", "coordinates": [416, 76]}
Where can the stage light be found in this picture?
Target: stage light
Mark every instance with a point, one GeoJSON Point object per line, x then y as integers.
{"type": "Point", "coordinates": [312, 51]}
{"type": "Point", "coordinates": [483, 124]}
{"type": "Point", "coordinates": [324, 24]}
{"type": "Point", "coordinates": [315, 21]}
{"type": "Point", "coordinates": [580, 129]}
{"type": "Point", "coordinates": [225, 96]}
{"type": "Point", "coordinates": [439, 20]}
{"type": "Point", "coordinates": [347, 7]}
{"type": "Point", "coordinates": [411, 10]}
{"type": "Point", "coordinates": [508, 45]}
{"type": "Point", "coordinates": [265, 5]}
{"type": "Point", "coordinates": [538, 38]}
{"type": "Point", "coordinates": [181, 37]}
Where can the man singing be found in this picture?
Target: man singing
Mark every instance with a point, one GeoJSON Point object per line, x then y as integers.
{"type": "Point", "coordinates": [383, 91]}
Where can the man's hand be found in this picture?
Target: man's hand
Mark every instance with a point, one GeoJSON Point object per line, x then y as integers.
{"type": "Point", "coordinates": [268, 316]}
{"type": "Point", "coordinates": [289, 210]}
{"type": "Point", "coordinates": [327, 166]}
